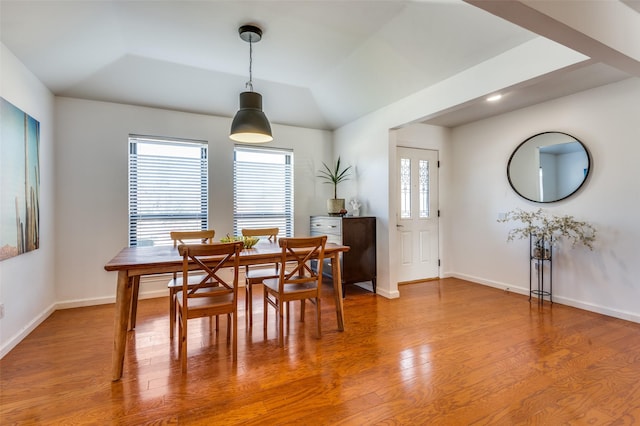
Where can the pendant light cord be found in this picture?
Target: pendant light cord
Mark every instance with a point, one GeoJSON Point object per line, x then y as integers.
{"type": "Point", "coordinates": [249, 84]}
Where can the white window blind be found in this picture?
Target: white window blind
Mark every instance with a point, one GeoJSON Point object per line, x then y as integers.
{"type": "Point", "coordinates": [263, 189]}
{"type": "Point", "coordinates": [168, 188]}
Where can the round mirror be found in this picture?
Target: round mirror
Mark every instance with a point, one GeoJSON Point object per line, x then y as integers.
{"type": "Point", "coordinates": [548, 167]}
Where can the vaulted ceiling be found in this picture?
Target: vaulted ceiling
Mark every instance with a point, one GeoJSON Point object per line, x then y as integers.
{"type": "Point", "coordinates": [320, 64]}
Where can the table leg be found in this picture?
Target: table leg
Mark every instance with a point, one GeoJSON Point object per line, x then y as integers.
{"type": "Point", "coordinates": [135, 289]}
{"type": "Point", "coordinates": [337, 289]}
{"type": "Point", "coordinates": [123, 304]}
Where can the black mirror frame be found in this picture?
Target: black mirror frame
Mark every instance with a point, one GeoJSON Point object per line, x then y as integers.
{"type": "Point", "coordinates": [586, 176]}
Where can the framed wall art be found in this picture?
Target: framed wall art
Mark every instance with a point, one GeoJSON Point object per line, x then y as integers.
{"type": "Point", "coordinates": [20, 184]}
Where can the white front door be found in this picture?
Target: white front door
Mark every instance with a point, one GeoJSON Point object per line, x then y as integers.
{"type": "Point", "coordinates": [417, 214]}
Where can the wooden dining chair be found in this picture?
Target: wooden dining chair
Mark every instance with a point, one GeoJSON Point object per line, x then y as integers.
{"type": "Point", "coordinates": [301, 282]}
{"type": "Point", "coordinates": [175, 284]}
{"type": "Point", "coordinates": [181, 237]}
{"type": "Point", "coordinates": [201, 300]}
{"type": "Point", "coordinates": [255, 274]}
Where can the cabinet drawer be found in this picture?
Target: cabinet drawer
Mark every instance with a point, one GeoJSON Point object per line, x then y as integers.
{"type": "Point", "coordinates": [323, 225]}
{"type": "Point", "coordinates": [332, 238]}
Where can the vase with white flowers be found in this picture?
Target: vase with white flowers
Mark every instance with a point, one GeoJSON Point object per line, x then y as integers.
{"type": "Point", "coordinates": [550, 228]}
{"type": "Point", "coordinates": [544, 232]}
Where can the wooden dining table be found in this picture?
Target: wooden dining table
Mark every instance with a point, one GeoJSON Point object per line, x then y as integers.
{"type": "Point", "coordinates": [133, 262]}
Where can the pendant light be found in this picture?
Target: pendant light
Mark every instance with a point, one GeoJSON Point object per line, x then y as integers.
{"type": "Point", "coordinates": [250, 125]}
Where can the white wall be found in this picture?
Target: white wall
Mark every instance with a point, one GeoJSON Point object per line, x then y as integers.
{"type": "Point", "coordinates": [368, 143]}
{"type": "Point", "coordinates": [91, 185]}
{"type": "Point", "coordinates": [27, 287]}
{"type": "Point", "coordinates": [473, 243]}
{"type": "Point", "coordinates": [604, 280]}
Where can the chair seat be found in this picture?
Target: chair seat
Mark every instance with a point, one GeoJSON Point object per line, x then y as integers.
{"type": "Point", "coordinates": [207, 302]}
{"type": "Point", "coordinates": [290, 288]}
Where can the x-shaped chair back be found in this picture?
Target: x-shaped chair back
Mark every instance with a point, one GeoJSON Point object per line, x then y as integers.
{"type": "Point", "coordinates": [209, 259]}
{"type": "Point", "coordinates": [297, 253]}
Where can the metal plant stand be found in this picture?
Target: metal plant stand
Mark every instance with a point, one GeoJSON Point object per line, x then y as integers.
{"type": "Point", "coordinates": [540, 251]}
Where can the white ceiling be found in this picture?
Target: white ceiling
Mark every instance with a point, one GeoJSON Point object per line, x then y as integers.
{"type": "Point", "coordinates": [320, 64]}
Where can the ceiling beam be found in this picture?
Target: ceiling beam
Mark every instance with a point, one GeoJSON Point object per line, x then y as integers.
{"type": "Point", "coordinates": [606, 31]}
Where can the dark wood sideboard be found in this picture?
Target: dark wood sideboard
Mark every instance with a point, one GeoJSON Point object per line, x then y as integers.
{"type": "Point", "coordinates": [359, 233]}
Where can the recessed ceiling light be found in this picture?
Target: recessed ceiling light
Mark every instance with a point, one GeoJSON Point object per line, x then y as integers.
{"type": "Point", "coordinates": [494, 98]}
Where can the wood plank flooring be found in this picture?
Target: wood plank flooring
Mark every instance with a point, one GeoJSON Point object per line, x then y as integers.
{"type": "Point", "coordinates": [447, 352]}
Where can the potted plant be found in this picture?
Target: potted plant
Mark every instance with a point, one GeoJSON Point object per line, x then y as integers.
{"type": "Point", "coordinates": [335, 205]}
{"type": "Point", "coordinates": [549, 229]}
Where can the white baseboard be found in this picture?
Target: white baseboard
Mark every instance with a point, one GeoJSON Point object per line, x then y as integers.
{"type": "Point", "coordinates": [150, 287]}
{"type": "Point", "coordinates": [388, 294]}
{"type": "Point", "coordinates": [495, 284]}
{"type": "Point", "coordinates": [591, 307]}
{"type": "Point", "coordinates": [79, 303]}
{"type": "Point", "coordinates": [14, 340]}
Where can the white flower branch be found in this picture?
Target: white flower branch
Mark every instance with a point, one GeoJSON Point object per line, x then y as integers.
{"type": "Point", "coordinates": [550, 227]}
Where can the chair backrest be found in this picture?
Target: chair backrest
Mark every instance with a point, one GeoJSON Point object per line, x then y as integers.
{"type": "Point", "coordinates": [297, 253]}
{"type": "Point", "coordinates": [271, 233]}
{"type": "Point", "coordinates": [185, 237]}
{"type": "Point", "coordinates": [208, 260]}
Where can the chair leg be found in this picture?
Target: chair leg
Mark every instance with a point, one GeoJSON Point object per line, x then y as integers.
{"type": "Point", "coordinates": [318, 317]}
{"type": "Point", "coordinates": [234, 345]}
{"type": "Point", "coordinates": [172, 312]}
{"type": "Point", "coordinates": [228, 328]}
{"type": "Point", "coordinates": [246, 301]}
{"type": "Point", "coordinates": [250, 303]}
{"type": "Point", "coordinates": [264, 322]}
{"type": "Point", "coordinates": [183, 343]}
{"type": "Point", "coordinates": [302, 306]}
{"type": "Point", "coordinates": [246, 293]}
{"type": "Point", "coordinates": [281, 322]}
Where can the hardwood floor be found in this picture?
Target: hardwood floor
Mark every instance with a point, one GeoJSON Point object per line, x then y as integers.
{"type": "Point", "coordinates": [447, 352]}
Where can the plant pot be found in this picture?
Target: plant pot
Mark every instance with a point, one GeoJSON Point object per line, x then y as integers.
{"type": "Point", "coordinates": [335, 205]}
{"type": "Point", "coordinates": [541, 253]}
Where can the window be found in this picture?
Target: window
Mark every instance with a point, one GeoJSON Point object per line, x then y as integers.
{"type": "Point", "coordinates": [263, 189]}
{"type": "Point", "coordinates": [167, 188]}
{"type": "Point", "coordinates": [405, 188]}
{"type": "Point", "coordinates": [423, 172]}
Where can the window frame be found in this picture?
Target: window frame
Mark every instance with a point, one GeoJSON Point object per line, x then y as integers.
{"type": "Point", "coordinates": [172, 169]}
{"type": "Point", "coordinates": [266, 218]}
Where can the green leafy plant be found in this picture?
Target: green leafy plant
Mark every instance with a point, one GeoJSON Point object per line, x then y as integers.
{"type": "Point", "coordinates": [551, 228]}
{"type": "Point", "coordinates": [334, 175]}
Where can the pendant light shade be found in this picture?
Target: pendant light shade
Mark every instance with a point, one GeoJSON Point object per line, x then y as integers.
{"type": "Point", "coordinates": [250, 125]}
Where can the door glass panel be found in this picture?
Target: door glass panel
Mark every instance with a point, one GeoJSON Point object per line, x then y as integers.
{"type": "Point", "coordinates": [424, 189]}
{"type": "Point", "coordinates": [405, 188]}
